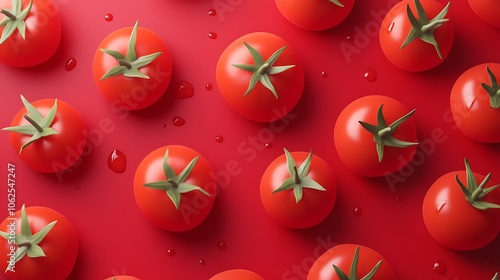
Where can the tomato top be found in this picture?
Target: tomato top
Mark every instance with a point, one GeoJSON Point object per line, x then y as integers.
{"type": "Point", "coordinates": [239, 274]}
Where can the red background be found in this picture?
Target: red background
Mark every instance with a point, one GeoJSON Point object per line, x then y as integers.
{"type": "Point", "coordinates": [116, 239]}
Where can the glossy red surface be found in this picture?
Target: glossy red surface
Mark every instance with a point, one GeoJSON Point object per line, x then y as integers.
{"type": "Point", "coordinates": [340, 66]}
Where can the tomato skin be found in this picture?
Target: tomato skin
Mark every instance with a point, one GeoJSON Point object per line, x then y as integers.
{"type": "Point", "coordinates": [133, 93]}
{"type": "Point", "coordinates": [60, 246]}
{"type": "Point", "coordinates": [314, 15]}
{"type": "Point", "coordinates": [470, 104]}
{"type": "Point", "coordinates": [487, 10]}
{"type": "Point", "coordinates": [122, 277]}
{"type": "Point", "coordinates": [43, 35]}
{"type": "Point", "coordinates": [260, 104]}
{"type": "Point", "coordinates": [157, 207]}
{"type": "Point", "coordinates": [240, 274]}
{"type": "Point", "coordinates": [314, 206]}
{"type": "Point", "coordinates": [56, 152]}
{"type": "Point", "coordinates": [452, 221]}
{"type": "Point", "coordinates": [355, 145]}
{"type": "Point", "coordinates": [342, 256]}
{"type": "Point", "coordinates": [416, 56]}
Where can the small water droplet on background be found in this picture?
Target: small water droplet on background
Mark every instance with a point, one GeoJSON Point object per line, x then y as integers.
{"type": "Point", "coordinates": [77, 187]}
{"type": "Point", "coordinates": [357, 212]}
{"type": "Point", "coordinates": [108, 17]}
{"type": "Point", "coordinates": [212, 35]}
{"type": "Point", "coordinates": [70, 64]}
{"type": "Point", "coordinates": [163, 125]}
{"type": "Point", "coordinates": [324, 74]}
{"type": "Point", "coordinates": [202, 262]}
{"type": "Point", "coordinates": [171, 252]}
{"type": "Point", "coordinates": [268, 145]}
{"type": "Point", "coordinates": [212, 12]}
{"type": "Point", "coordinates": [117, 161]}
{"type": "Point", "coordinates": [370, 74]}
{"type": "Point", "coordinates": [349, 37]}
{"type": "Point", "coordinates": [398, 198]}
{"type": "Point", "coordinates": [178, 121]}
{"type": "Point", "coordinates": [439, 267]}
{"type": "Point", "coordinates": [222, 245]}
{"type": "Point", "coordinates": [209, 86]}
{"type": "Point", "coordinates": [184, 90]}
{"type": "Point", "coordinates": [219, 138]}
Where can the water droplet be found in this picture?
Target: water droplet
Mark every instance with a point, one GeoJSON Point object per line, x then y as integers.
{"type": "Point", "coordinates": [357, 212]}
{"type": "Point", "coordinates": [219, 138]}
{"type": "Point", "coordinates": [77, 187]}
{"type": "Point", "coordinates": [391, 26]}
{"type": "Point", "coordinates": [349, 37]}
{"type": "Point", "coordinates": [171, 252]}
{"type": "Point", "coordinates": [108, 17]}
{"type": "Point", "coordinates": [222, 245]}
{"type": "Point", "coordinates": [324, 74]}
{"type": "Point", "coordinates": [212, 35]}
{"type": "Point", "coordinates": [183, 90]}
{"type": "Point", "coordinates": [370, 74]}
{"type": "Point", "coordinates": [398, 198]}
{"type": "Point", "coordinates": [212, 12]}
{"type": "Point", "coordinates": [70, 64]}
{"type": "Point", "coordinates": [439, 267]}
{"type": "Point", "coordinates": [440, 206]}
{"type": "Point", "coordinates": [163, 125]}
{"type": "Point", "coordinates": [268, 145]}
{"type": "Point", "coordinates": [202, 262]}
{"type": "Point", "coordinates": [209, 86]}
{"type": "Point", "coordinates": [117, 161]}
{"type": "Point", "coordinates": [178, 121]}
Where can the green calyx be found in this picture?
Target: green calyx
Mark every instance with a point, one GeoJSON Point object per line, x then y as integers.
{"type": "Point", "coordinates": [28, 243]}
{"type": "Point", "coordinates": [493, 90]}
{"type": "Point", "coordinates": [298, 177]}
{"type": "Point", "coordinates": [262, 69]}
{"type": "Point", "coordinates": [473, 192]}
{"type": "Point", "coordinates": [423, 28]}
{"type": "Point", "coordinates": [382, 133]}
{"type": "Point", "coordinates": [353, 275]}
{"type": "Point", "coordinates": [38, 127]}
{"type": "Point", "coordinates": [129, 64]}
{"type": "Point", "coordinates": [14, 20]}
{"type": "Point", "coordinates": [174, 184]}
{"type": "Point", "coordinates": [337, 2]}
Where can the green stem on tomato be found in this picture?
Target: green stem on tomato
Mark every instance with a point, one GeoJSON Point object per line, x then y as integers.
{"type": "Point", "coordinates": [14, 20]}
{"type": "Point", "coordinates": [353, 275]}
{"type": "Point", "coordinates": [34, 123]}
{"type": "Point", "coordinates": [493, 90]}
{"type": "Point", "coordinates": [475, 193]}
{"type": "Point", "coordinates": [8, 14]}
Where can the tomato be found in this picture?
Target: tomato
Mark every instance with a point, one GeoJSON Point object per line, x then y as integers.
{"type": "Point", "coordinates": [298, 189]}
{"type": "Point", "coordinates": [240, 274]}
{"type": "Point", "coordinates": [132, 67]}
{"type": "Point", "coordinates": [487, 10]}
{"type": "Point", "coordinates": [260, 76]}
{"type": "Point", "coordinates": [46, 241]}
{"type": "Point", "coordinates": [421, 45]}
{"type": "Point", "coordinates": [475, 103]}
{"type": "Point", "coordinates": [49, 135]}
{"type": "Point", "coordinates": [174, 187]}
{"type": "Point", "coordinates": [368, 155]}
{"type": "Point", "coordinates": [460, 210]}
{"type": "Point", "coordinates": [122, 277]}
{"type": "Point", "coordinates": [315, 15]}
{"type": "Point", "coordinates": [345, 258]}
{"type": "Point", "coordinates": [42, 32]}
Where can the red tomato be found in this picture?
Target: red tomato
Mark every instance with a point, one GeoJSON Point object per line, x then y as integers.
{"type": "Point", "coordinates": [239, 274]}
{"type": "Point", "coordinates": [315, 15]}
{"type": "Point", "coordinates": [417, 54]}
{"type": "Point", "coordinates": [132, 68]}
{"type": "Point", "coordinates": [122, 277]}
{"type": "Point", "coordinates": [356, 146]}
{"type": "Point", "coordinates": [60, 244]}
{"type": "Point", "coordinates": [450, 216]}
{"type": "Point", "coordinates": [180, 193]}
{"type": "Point", "coordinates": [342, 256]}
{"type": "Point", "coordinates": [42, 34]}
{"type": "Point", "coordinates": [487, 10]}
{"type": "Point", "coordinates": [298, 189]}
{"type": "Point", "coordinates": [277, 87]}
{"type": "Point", "coordinates": [475, 109]}
{"type": "Point", "coordinates": [62, 140]}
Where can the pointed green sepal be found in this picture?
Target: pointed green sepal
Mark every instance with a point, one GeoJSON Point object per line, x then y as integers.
{"type": "Point", "coordinates": [39, 126]}
{"type": "Point", "coordinates": [353, 275]}
{"type": "Point", "coordinates": [337, 2]}
{"type": "Point", "coordinates": [174, 185]}
{"type": "Point", "coordinates": [298, 179]}
{"type": "Point", "coordinates": [423, 28]}
{"type": "Point", "coordinates": [382, 133]}
{"type": "Point", "coordinates": [473, 192]}
{"type": "Point", "coordinates": [129, 64]}
{"type": "Point", "coordinates": [14, 20]}
{"type": "Point", "coordinates": [493, 90]}
{"type": "Point", "coordinates": [262, 69]}
{"type": "Point", "coordinates": [495, 277]}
